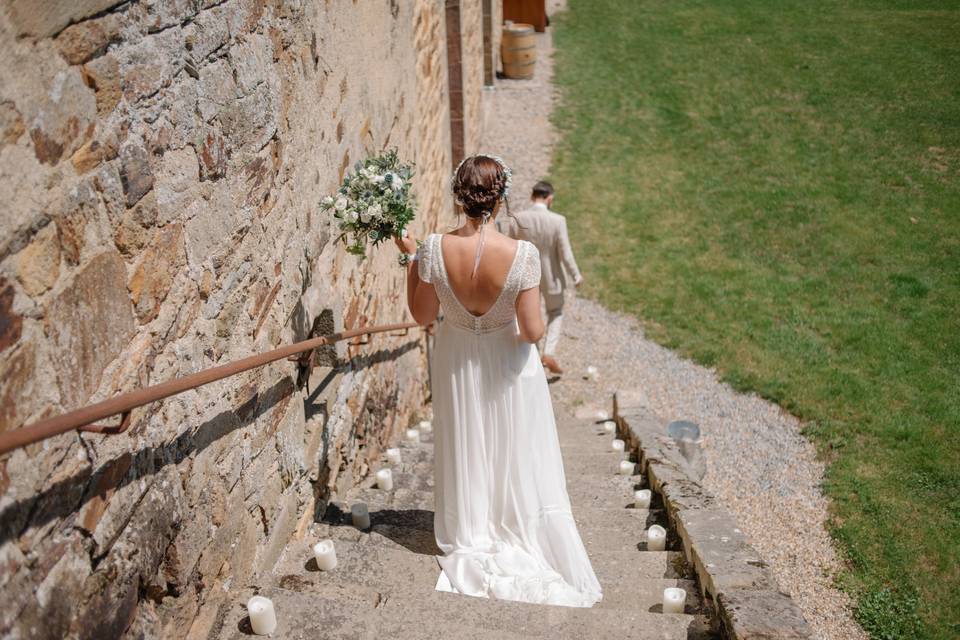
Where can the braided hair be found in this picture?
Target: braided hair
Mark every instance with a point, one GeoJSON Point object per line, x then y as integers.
{"type": "Point", "coordinates": [479, 183]}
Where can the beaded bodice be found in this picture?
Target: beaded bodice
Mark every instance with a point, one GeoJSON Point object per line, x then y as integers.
{"type": "Point", "coordinates": [524, 273]}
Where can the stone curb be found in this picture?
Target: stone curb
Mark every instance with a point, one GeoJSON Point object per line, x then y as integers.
{"type": "Point", "coordinates": [731, 572]}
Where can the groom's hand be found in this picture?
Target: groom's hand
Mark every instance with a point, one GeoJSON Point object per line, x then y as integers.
{"type": "Point", "coordinates": [578, 282]}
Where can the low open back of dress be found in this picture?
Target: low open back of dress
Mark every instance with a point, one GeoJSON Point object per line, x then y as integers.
{"type": "Point", "coordinates": [503, 518]}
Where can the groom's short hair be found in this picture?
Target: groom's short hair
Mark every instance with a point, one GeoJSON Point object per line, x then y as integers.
{"type": "Point", "coordinates": [542, 190]}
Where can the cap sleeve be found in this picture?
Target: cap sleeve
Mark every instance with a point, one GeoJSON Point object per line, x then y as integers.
{"type": "Point", "coordinates": [425, 260]}
{"type": "Point", "coordinates": [531, 268]}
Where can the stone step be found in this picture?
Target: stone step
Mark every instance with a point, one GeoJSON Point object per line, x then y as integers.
{"type": "Point", "coordinates": [325, 610]}
{"type": "Point", "coordinates": [637, 580]}
{"type": "Point", "coordinates": [601, 491]}
{"type": "Point", "coordinates": [343, 614]}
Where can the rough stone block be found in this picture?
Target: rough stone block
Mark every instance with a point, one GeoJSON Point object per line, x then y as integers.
{"type": "Point", "coordinates": [38, 265]}
{"type": "Point", "coordinates": [11, 324]}
{"type": "Point", "coordinates": [89, 323]}
{"type": "Point", "coordinates": [154, 271]}
{"type": "Point", "coordinates": [103, 76]}
{"type": "Point", "coordinates": [47, 18]}
{"type": "Point", "coordinates": [251, 121]}
{"type": "Point", "coordinates": [750, 614]}
{"type": "Point", "coordinates": [11, 123]}
{"type": "Point", "coordinates": [721, 552]}
{"type": "Point", "coordinates": [208, 33]}
{"type": "Point", "coordinates": [178, 178]}
{"type": "Point", "coordinates": [66, 119]}
{"type": "Point", "coordinates": [217, 89]}
{"type": "Point", "coordinates": [135, 172]}
{"type": "Point", "coordinates": [82, 41]}
{"type": "Point", "coordinates": [251, 59]}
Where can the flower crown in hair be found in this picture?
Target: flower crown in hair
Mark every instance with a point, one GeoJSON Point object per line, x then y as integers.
{"type": "Point", "coordinates": [507, 174]}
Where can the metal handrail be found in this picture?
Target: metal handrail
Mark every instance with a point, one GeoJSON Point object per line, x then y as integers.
{"type": "Point", "coordinates": [85, 417]}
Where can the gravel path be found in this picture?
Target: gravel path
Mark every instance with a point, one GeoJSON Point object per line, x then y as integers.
{"type": "Point", "coordinates": [764, 471]}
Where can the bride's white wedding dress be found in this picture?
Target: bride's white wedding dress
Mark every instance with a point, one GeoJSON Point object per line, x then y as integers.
{"type": "Point", "coordinates": [503, 518]}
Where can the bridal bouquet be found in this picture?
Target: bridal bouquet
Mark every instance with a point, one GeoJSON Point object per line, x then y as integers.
{"type": "Point", "coordinates": [374, 202]}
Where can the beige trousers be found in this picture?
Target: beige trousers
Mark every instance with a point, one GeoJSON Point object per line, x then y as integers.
{"type": "Point", "coordinates": [554, 305]}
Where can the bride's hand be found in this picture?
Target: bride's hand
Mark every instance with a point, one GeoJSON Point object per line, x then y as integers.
{"type": "Point", "coordinates": [406, 244]}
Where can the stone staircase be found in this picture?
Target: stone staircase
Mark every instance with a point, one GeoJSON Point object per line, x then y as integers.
{"type": "Point", "coordinates": [383, 586]}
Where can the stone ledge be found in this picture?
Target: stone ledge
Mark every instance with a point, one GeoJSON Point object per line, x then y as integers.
{"type": "Point", "coordinates": [731, 572]}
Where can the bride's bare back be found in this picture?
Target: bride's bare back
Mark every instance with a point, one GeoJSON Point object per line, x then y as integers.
{"type": "Point", "coordinates": [477, 294]}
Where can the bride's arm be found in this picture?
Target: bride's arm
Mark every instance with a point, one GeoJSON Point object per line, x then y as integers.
{"type": "Point", "coordinates": [528, 315]}
{"type": "Point", "coordinates": [421, 296]}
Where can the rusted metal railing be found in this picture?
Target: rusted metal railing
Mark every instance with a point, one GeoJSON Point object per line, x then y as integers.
{"type": "Point", "coordinates": [84, 419]}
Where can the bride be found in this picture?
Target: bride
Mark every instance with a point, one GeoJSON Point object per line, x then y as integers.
{"type": "Point", "coordinates": [503, 518]}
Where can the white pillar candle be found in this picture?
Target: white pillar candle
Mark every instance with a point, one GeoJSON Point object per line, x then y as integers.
{"type": "Point", "coordinates": [641, 499]}
{"type": "Point", "coordinates": [413, 435]}
{"type": "Point", "coordinates": [656, 538]}
{"type": "Point", "coordinates": [425, 426]}
{"type": "Point", "coordinates": [625, 468]}
{"type": "Point", "coordinates": [393, 455]}
{"type": "Point", "coordinates": [673, 600]}
{"type": "Point", "coordinates": [326, 555]}
{"type": "Point", "coordinates": [609, 426]}
{"type": "Point", "coordinates": [603, 415]}
{"type": "Point", "coordinates": [263, 618]}
{"type": "Point", "coordinates": [617, 445]}
{"type": "Point", "coordinates": [385, 479]}
{"type": "Point", "coordinates": [360, 515]}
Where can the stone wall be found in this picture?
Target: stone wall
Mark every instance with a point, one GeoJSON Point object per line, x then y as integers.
{"type": "Point", "coordinates": [160, 166]}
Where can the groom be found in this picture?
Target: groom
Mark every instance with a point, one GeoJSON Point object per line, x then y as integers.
{"type": "Point", "coordinates": [548, 232]}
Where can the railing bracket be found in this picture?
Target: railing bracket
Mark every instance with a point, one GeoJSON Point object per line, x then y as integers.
{"type": "Point", "coordinates": [109, 429]}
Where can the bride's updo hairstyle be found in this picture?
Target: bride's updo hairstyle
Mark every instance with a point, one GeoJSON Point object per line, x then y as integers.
{"type": "Point", "coordinates": [479, 183]}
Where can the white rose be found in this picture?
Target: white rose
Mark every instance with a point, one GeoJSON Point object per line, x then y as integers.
{"type": "Point", "coordinates": [328, 200]}
{"type": "Point", "coordinates": [350, 216]}
{"type": "Point", "coordinates": [341, 203]}
{"type": "Point", "coordinates": [377, 179]}
{"type": "Point", "coordinates": [375, 210]}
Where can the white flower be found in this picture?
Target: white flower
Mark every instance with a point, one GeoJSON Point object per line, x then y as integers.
{"type": "Point", "coordinates": [341, 203]}
{"type": "Point", "coordinates": [377, 178]}
{"type": "Point", "coordinates": [350, 216]}
{"type": "Point", "coordinates": [374, 211]}
{"type": "Point", "coordinates": [328, 201]}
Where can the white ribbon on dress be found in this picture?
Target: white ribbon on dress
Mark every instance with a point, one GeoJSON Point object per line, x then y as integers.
{"type": "Point", "coordinates": [483, 228]}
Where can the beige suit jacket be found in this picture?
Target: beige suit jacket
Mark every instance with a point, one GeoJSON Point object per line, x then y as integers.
{"type": "Point", "coordinates": [548, 232]}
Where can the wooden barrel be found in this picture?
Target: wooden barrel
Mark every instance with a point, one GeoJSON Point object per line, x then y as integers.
{"type": "Point", "coordinates": [518, 50]}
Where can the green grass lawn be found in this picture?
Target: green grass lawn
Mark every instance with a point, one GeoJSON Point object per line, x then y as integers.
{"type": "Point", "coordinates": [774, 189]}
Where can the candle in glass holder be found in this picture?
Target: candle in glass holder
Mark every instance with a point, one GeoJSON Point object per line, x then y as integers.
{"type": "Point", "coordinates": [617, 445]}
{"type": "Point", "coordinates": [673, 600]}
{"type": "Point", "coordinates": [360, 515]}
{"type": "Point", "coordinates": [393, 455]}
{"type": "Point", "coordinates": [263, 618]}
{"type": "Point", "coordinates": [425, 426]}
{"type": "Point", "coordinates": [385, 479]}
{"type": "Point", "coordinates": [625, 468]}
{"type": "Point", "coordinates": [609, 426]}
{"type": "Point", "coordinates": [656, 538]}
{"type": "Point", "coordinates": [413, 435]}
{"type": "Point", "coordinates": [326, 555]}
{"type": "Point", "coordinates": [641, 499]}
